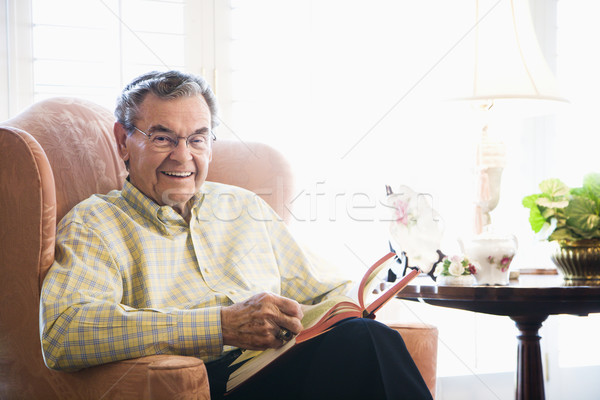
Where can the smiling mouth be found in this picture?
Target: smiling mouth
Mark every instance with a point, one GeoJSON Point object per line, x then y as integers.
{"type": "Point", "coordinates": [177, 174]}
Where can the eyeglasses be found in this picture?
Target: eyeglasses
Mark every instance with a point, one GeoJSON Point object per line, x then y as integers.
{"type": "Point", "coordinates": [164, 142]}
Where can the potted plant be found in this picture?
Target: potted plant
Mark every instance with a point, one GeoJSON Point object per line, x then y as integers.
{"type": "Point", "coordinates": [571, 218]}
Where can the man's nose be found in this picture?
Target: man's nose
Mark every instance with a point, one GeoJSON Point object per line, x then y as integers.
{"type": "Point", "coordinates": [181, 151]}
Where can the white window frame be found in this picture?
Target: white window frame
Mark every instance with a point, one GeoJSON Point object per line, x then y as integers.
{"type": "Point", "coordinates": [16, 70]}
{"type": "Point", "coordinates": [208, 26]}
{"type": "Point", "coordinates": [206, 52]}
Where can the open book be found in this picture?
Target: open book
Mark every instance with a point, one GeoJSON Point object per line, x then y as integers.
{"type": "Point", "coordinates": [320, 318]}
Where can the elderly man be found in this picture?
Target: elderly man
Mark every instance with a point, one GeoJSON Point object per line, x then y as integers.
{"type": "Point", "coordinates": [172, 264]}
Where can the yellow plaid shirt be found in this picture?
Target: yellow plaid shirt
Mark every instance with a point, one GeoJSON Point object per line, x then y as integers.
{"type": "Point", "coordinates": [132, 278]}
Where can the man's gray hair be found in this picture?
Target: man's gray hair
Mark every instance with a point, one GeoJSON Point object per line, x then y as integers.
{"type": "Point", "coordinates": [164, 85]}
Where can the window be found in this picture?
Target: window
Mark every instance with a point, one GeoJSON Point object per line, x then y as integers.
{"type": "Point", "coordinates": [93, 49]}
{"type": "Point", "coordinates": [349, 95]}
{"type": "Point", "coordinates": [577, 137]}
{"type": "Point", "coordinates": [578, 133]}
{"type": "Point", "coordinates": [351, 92]}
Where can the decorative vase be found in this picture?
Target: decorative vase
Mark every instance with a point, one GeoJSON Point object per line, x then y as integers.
{"type": "Point", "coordinates": [578, 261]}
{"type": "Point", "coordinates": [450, 280]}
{"type": "Point", "coordinates": [493, 254]}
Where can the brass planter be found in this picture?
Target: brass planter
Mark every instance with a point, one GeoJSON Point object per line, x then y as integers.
{"type": "Point", "coordinates": [578, 261]}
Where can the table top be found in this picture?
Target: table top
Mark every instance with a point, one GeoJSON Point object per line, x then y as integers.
{"type": "Point", "coordinates": [529, 295]}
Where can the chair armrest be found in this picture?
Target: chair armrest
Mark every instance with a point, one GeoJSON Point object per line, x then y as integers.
{"type": "Point", "coordinates": [152, 377]}
{"type": "Point", "coordinates": [421, 340]}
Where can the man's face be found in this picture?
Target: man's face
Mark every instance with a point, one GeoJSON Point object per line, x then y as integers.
{"type": "Point", "coordinates": [167, 177]}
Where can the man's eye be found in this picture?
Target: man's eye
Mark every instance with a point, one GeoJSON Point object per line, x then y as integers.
{"type": "Point", "coordinates": [199, 139]}
{"type": "Point", "coordinates": [162, 140]}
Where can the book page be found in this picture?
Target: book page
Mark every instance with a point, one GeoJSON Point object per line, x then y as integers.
{"type": "Point", "coordinates": [373, 280]}
{"type": "Point", "coordinates": [313, 313]}
{"type": "Point", "coordinates": [368, 280]}
{"type": "Point", "coordinates": [391, 292]}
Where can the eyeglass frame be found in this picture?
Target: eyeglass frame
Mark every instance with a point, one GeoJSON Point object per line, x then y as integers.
{"type": "Point", "coordinates": [211, 137]}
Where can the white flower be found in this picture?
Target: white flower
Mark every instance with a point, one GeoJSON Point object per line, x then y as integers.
{"type": "Point", "coordinates": [456, 268]}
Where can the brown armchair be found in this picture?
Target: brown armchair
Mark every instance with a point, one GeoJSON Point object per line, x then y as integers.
{"type": "Point", "coordinates": [53, 155]}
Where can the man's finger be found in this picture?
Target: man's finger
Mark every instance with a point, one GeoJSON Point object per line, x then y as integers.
{"type": "Point", "coordinates": [288, 306]}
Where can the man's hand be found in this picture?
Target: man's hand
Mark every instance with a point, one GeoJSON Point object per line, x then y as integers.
{"type": "Point", "coordinates": [253, 324]}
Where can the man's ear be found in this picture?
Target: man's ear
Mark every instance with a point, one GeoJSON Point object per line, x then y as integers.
{"type": "Point", "coordinates": [121, 138]}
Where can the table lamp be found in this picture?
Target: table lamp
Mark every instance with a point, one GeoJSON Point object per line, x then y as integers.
{"type": "Point", "coordinates": [510, 77]}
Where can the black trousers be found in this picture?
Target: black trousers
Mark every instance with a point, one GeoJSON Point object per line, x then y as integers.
{"type": "Point", "coordinates": [358, 359]}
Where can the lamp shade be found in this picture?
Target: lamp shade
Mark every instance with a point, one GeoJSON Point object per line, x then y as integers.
{"type": "Point", "coordinates": [508, 62]}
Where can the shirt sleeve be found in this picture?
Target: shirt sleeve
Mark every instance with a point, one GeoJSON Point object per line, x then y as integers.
{"type": "Point", "coordinates": [82, 320]}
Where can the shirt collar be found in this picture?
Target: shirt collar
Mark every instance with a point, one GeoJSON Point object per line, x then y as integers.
{"type": "Point", "coordinates": [162, 216]}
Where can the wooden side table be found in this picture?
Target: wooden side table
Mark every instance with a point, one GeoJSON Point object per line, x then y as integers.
{"type": "Point", "coordinates": [528, 301]}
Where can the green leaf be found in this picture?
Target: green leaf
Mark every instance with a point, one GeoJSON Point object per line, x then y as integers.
{"type": "Point", "coordinates": [549, 203]}
{"type": "Point", "coordinates": [554, 188]}
{"type": "Point", "coordinates": [591, 188]}
{"type": "Point", "coordinates": [581, 214]}
{"type": "Point", "coordinates": [547, 213]}
{"type": "Point", "coordinates": [562, 234]}
{"type": "Point", "coordinates": [529, 201]}
{"type": "Point", "coordinates": [577, 234]}
{"type": "Point", "coordinates": [583, 192]}
{"type": "Point", "coordinates": [591, 182]}
{"type": "Point", "coordinates": [536, 219]}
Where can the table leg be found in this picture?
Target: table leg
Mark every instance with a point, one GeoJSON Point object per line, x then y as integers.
{"type": "Point", "coordinates": [530, 374]}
